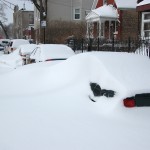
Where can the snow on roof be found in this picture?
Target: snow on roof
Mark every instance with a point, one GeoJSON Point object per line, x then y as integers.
{"type": "Point", "coordinates": [145, 2]}
{"type": "Point", "coordinates": [26, 48]}
{"type": "Point", "coordinates": [106, 11]}
{"type": "Point", "coordinates": [51, 51]}
{"type": "Point", "coordinates": [131, 4]}
{"type": "Point", "coordinates": [17, 42]}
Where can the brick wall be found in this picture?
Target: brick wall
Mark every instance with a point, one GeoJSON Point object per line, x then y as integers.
{"type": "Point", "coordinates": [129, 24]}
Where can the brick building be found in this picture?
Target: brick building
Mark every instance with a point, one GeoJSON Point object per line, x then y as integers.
{"type": "Point", "coordinates": [23, 23]}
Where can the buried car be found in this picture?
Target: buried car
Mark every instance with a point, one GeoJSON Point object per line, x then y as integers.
{"type": "Point", "coordinates": [12, 60]}
{"type": "Point", "coordinates": [18, 57]}
{"type": "Point", "coordinates": [14, 44]}
{"type": "Point", "coordinates": [126, 74]}
{"type": "Point", "coordinates": [25, 51]}
{"type": "Point", "coordinates": [51, 52]}
{"type": "Point", "coordinates": [43, 106]}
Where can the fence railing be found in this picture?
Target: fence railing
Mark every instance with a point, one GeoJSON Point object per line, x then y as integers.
{"type": "Point", "coordinates": [140, 46]}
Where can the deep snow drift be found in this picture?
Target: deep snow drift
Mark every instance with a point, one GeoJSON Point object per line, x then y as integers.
{"type": "Point", "coordinates": [46, 106]}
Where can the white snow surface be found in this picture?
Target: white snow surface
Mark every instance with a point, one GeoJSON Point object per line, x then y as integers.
{"type": "Point", "coordinates": [145, 2]}
{"type": "Point", "coordinates": [26, 49]}
{"type": "Point", "coordinates": [105, 11]}
{"type": "Point", "coordinates": [44, 106]}
{"type": "Point", "coordinates": [12, 60]}
{"type": "Point", "coordinates": [44, 52]}
{"type": "Point", "coordinates": [126, 4]}
{"type": "Point", "coordinates": [18, 42]}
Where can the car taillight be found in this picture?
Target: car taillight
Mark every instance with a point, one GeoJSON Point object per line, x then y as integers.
{"type": "Point", "coordinates": [129, 102]}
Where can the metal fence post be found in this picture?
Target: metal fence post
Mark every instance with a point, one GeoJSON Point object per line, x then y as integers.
{"type": "Point", "coordinates": [90, 44]}
{"type": "Point", "coordinates": [74, 45]}
{"type": "Point", "coordinates": [98, 44]}
{"type": "Point", "coordinates": [82, 44]}
{"type": "Point", "coordinates": [113, 43]}
{"type": "Point", "coordinates": [129, 44]}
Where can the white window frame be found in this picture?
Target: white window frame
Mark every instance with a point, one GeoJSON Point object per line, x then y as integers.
{"type": "Point", "coordinates": [75, 13]}
{"type": "Point", "coordinates": [143, 22]}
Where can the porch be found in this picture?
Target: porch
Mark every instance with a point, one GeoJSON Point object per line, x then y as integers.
{"type": "Point", "coordinates": [102, 23]}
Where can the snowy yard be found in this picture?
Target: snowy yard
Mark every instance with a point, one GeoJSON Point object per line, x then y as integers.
{"type": "Point", "coordinates": [46, 106]}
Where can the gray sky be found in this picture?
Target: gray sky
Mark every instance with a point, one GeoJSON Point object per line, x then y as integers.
{"type": "Point", "coordinates": [9, 12]}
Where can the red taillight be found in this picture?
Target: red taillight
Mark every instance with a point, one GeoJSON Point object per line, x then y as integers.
{"type": "Point", "coordinates": [129, 102]}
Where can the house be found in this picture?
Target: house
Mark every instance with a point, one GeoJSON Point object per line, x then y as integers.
{"type": "Point", "coordinates": [113, 18]}
{"type": "Point", "coordinates": [23, 23]}
{"type": "Point", "coordinates": [61, 13]}
{"type": "Point", "coordinates": [143, 7]}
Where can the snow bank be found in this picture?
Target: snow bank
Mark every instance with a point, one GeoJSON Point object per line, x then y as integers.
{"type": "Point", "coordinates": [44, 106]}
{"type": "Point", "coordinates": [127, 74]}
{"type": "Point", "coordinates": [12, 60]}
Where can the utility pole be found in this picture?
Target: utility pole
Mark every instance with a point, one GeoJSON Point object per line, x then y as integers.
{"type": "Point", "coordinates": [43, 20]}
{"type": "Point", "coordinates": [41, 6]}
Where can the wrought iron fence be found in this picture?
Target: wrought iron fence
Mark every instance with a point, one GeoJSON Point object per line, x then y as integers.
{"type": "Point", "coordinates": [140, 46]}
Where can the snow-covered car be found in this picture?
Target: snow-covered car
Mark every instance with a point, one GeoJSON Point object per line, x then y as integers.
{"type": "Point", "coordinates": [14, 44]}
{"type": "Point", "coordinates": [127, 74]}
{"type": "Point", "coordinates": [1, 47]}
{"type": "Point", "coordinates": [5, 42]}
{"type": "Point", "coordinates": [25, 50]}
{"type": "Point", "coordinates": [48, 107]}
{"type": "Point", "coordinates": [51, 52]}
{"type": "Point", "coordinates": [18, 57]}
{"type": "Point", "coordinates": [12, 60]}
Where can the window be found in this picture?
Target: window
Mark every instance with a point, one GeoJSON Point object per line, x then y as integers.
{"type": "Point", "coordinates": [31, 19]}
{"type": "Point", "coordinates": [145, 28]}
{"type": "Point", "coordinates": [77, 14]}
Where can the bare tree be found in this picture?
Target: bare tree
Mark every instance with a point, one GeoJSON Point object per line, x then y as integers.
{"type": "Point", "coordinates": [2, 13]}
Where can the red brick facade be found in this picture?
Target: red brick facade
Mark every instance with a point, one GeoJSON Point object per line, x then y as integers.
{"type": "Point", "coordinates": [100, 3]}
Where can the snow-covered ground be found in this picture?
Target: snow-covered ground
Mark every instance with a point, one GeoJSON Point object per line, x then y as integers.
{"type": "Point", "coordinates": [46, 106]}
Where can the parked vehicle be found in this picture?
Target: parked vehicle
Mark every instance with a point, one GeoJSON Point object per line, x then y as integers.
{"type": "Point", "coordinates": [51, 52]}
{"type": "Point", "coordinates": [25, 51]}
{"type": "Point", "coordinates": [18, 57]}
{"type": "Point", "coordinates": [14, 44]}
{"type": "Point", "coordinates": [1, 47]}
{"type": "Point", "coordinates": [48, 108]}
{"type": "Point", "coordinates": [12, 60]}
{"type": "Point", "coordinates": [4, 42]}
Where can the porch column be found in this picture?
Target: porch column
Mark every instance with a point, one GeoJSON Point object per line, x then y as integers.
{"type": "Point", "coordinates": [99, 31]}
{"type": "Point", "coordinates": [109, 28]}
{"type": "Point", "coordinates": [87, 30]}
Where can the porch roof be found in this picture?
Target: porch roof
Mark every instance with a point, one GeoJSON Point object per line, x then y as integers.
{"type": "Point", "coordinates": [143, 6]}
{"type": "Point", "coordinates": [106, 12]}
